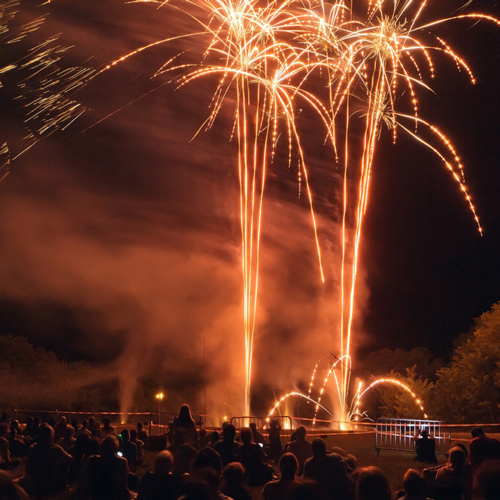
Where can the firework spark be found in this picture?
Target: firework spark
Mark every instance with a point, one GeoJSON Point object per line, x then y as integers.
{"type": "Point", "coordinates": [265, 58]}
{"type": "Point", "coordinates": [35, 82]}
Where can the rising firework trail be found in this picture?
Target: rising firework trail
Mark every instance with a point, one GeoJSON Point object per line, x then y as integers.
{"type": "Point", "coordinates": [385, 55]}
{"type": "Point", "coordinates": [267, 56]}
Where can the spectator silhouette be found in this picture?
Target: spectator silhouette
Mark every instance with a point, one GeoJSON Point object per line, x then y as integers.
{"type": "Point", "coordinates": [160, 484]}
{"type": "Point", "coordinates": [328, 471]}
{"type": "Point", "coordinates": [233, 479]}
{"type": "Point", "coordinates": [301, 448]}
{"type": "Point", "coordinates": [488, 476]}
{"type": "Point", "coordinates": [139, 444]}
{"type": "Point", "coordinates": [414, 485]}
{"type": "Point", "coordinates": [142, 434]}
{"type": "Point", "coordinates": [184, 428]}
{"type": "Point", "coordinates": [252, 457]}
{"type": "Point", "coordinates": [281, 488]}
{"type": "Point", "coordinates": [9, 490]}
{"type": "Point", "coordinates": [184, 457]}
{"type": "Point", "coordinates": [4, 447]}
{"type": "Point", "coordinates": [107, 428]}
{"type": "Point", "coordinates": [454, 480]}
{"type": "Point", "coordinates": [67, 442]}
{"type": "Point", "coordinates": [372, 484]}
{"type": "Point", "coordinates": [104, 476]}
{"type": "Point", "coordinates": [256, 434]}
{"type": "Point", "coordinates": [60, 429]}
{"type": "Point", "coordinates": [227, 447]}
{"type": "Point", "coordinates": [482, 448]}
{"type": "Point", "coordinates": [129, 449]}
{"type": "Point", "coordinates": [425, 448]}
{"type": "Point", "coordinates": [47, 465]}
{"type": "Point", "coordinates": [274, 434]}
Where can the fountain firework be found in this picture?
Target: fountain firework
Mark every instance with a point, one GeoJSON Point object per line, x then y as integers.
{"type": "Point", "coordinates": [266, 57]}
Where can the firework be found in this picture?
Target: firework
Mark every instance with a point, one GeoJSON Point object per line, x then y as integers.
{"type": "Point", "coordinates": [35, 82]}
{"type": "Point", "coordinates": [266, 57]}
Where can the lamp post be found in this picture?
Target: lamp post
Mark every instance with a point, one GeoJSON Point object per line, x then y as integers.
{"type": "Point", "coordinates": [159, 397]}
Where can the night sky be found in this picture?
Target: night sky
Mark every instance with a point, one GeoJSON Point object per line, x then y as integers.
{"type": "Point", "coordinates": [124, 239]}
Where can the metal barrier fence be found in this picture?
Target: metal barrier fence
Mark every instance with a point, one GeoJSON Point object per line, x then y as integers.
{"type": "Point", "coordinates": [400, 434]}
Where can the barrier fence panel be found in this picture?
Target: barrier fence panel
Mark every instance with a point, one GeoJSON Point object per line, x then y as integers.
{"type": "Point", "coordinates": [401, 434]}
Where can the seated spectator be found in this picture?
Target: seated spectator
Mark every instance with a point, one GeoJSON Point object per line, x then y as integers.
{"type": "Point", "coordinates": [301, 448]}
{"type": "Point", "coordinates": [139, 444]}
{"type": "Point", "coordinates": [160, 484]}
{"type": "Point", "coordinates": [30, 431]}
{"type": "Point", "coordinates": [425, 448]}
{"type": "Point", "coordinates": [68, 441]}
{"type": "Point", "coordinates": [454, 480]}
{"type": "Point", "coordinates": [252, 457]}
{"type": "Point", "coordinates": [60, 429]}
{"type": "Point", "coordinates": [281, 489]}
{"type": "Point", "coordinates": [128, 449]}
{"type": "Point", "coordinates": [488, 476]}
{"type": "Point", "coordinates": [9, 490]}
{"type": "Point", "coordinates": [4, 446]}
{"type": "Point", "coordinates": [256, 434]}
{"type": "Point", "coordinates": [372, 484]}
{"type": "Point", "coordinates": [183, 459]}
{"type": "Point", "coordinates": [227, 447]}
{"type": "Point", "coordinates": [414, 485]}
{"type": "Point", "coordinates": [84, 429]}
{"type": "Point", "coordinates": [328, 471]}
{"type": "Point", "coordinates": [233, 479]}
{"type": "Point", "coordinates": [48, 464]}
{"type": "Point", "coordinates": [482, 448]}
{"type": "Point", "coordinates": [213, 438]}
{"type": "Point", "coordinates": [104, 476]}
{"type": "Point", "coordinates": [142, 434]}
{"type": "Point", "coordinates": [107, 428]}
{"type": "Point", "coordinates": [94, 428]}
{"type": "Point", "coordinates": [208, 477]}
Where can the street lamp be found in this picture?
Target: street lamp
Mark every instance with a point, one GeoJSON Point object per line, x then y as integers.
{"type": "Point", "coordinates": [159, 397]}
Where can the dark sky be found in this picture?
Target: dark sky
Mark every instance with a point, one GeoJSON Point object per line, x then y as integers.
{"type": "Point", "coordinates": [123, 242]}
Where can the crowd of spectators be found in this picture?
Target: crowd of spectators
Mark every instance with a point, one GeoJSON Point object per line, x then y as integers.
{"type": "Point", "coordinates": [89, 460]}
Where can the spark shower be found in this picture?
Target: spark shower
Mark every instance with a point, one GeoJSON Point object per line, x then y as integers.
{"type": "Point", "coordinates": [271, 59]}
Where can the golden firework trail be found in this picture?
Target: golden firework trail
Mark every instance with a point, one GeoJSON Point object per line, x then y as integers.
{"type": "Point", "coordinates": [338, 57]}
{"type": "Point", "coordinates": [36, 81]}
{"type": "Point", "coordinates": [383, 53]}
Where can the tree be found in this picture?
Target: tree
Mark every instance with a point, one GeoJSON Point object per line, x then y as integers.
{"type": "Point", "coordinates": [468, 390]}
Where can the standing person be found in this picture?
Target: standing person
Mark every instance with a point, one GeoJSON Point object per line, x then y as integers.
{"type": "Point", "coordinates": [284, 486]}
{"type": "Point", "coordinates": [274, 434]}
{"type": "Point", "coordinates": [301, 448]}
{"type": "Point", "coordinates": [184, 428]}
